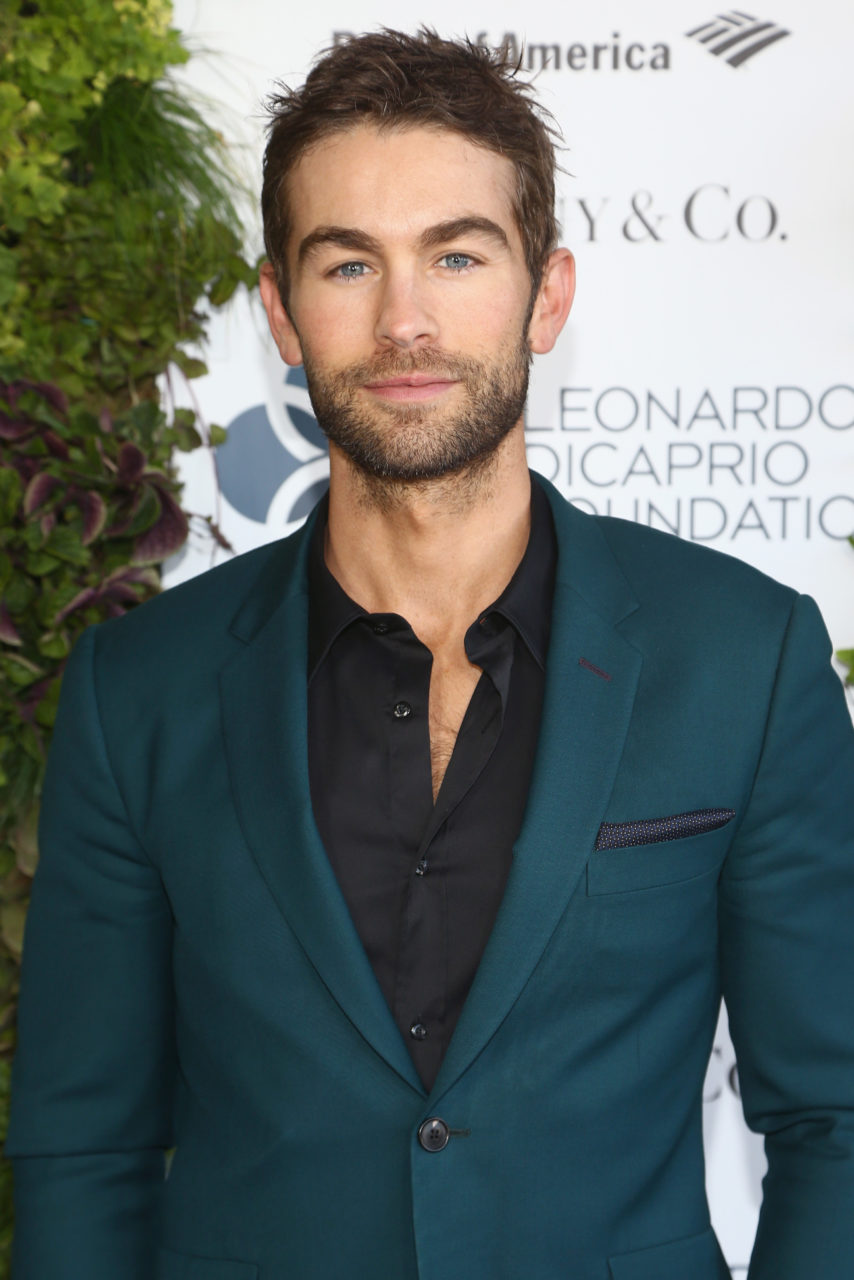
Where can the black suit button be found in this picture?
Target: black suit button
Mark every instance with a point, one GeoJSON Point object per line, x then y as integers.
{"type": "Point", "coordinates": [434, 1134]}
{"type": "Point", "coordinates": [402, 710]}
{"type": "Point", "coordinates": [418, 1031]}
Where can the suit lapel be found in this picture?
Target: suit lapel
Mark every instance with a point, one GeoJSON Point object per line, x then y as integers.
{"type": "Point", "coordinates": [263, 692]}
{"type": "Point", "coordinates": [591, 678]}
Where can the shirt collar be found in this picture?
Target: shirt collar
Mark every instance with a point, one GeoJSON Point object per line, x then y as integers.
{"type": "Point", "coordinates": [525, 602]}
{"type": "Point", "coordinates": [330, 608]}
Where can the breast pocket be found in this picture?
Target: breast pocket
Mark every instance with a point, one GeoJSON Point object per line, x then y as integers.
{"type": "Point", "coordinates": [652, 866]}
{"type": "Point", "coordinates": [185, 1266]}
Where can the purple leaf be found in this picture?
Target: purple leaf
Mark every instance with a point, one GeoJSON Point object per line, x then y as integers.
{"type": "Point", "coordinates": [144, 576]}
{"type": "Point", "coordinates": [165, 536]}
{"type": "Point", "coordinates": [94, 510]}
{"type": "Point", "coordinates": [137, 575]}
{"type": "Point", "coordinates": [9, 633]}
{"type": "Point", "coordinates": [56, 445]}
{"type": "Point", "coordinates": [125, 516]}
{"type": "Point", "coordinates": [131, 464]}
{"type": "Point", "coordinates": [38, 491]}
{"type": "Point", "coordinates": [120, 593]}
{"type": "Point", "coordinates": [82, 598]}
{"type": "Point", "coordinates": [54, 396]}
{"type": "Point", "coordinates": [26, 468]}
{"type": "Point", "coordinates": [11, 430]}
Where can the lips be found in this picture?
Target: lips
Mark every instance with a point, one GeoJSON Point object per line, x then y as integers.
{"type": "Point", "coordinates": [410, 386]}
{"type": "Point", "coordinates": [408, 380]}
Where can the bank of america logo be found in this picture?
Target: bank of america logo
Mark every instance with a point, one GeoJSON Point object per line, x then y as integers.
{"type": "Point", "coordinates": [737, 36]}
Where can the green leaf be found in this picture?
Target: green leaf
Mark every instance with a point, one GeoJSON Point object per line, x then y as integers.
{"type": "Point", "coordinates": [223, 289]}
{"type": "Point", "coordinates": [147, 512]}
{"type": "Point", "coordinates": [47, 708]}
{"type": "Point", "coordinates": [32, 744]}
{"type": "Point", "coordinates": [8, 275]}
{"type": "Point", "coordinates": [11, 494]}
{"type": "Point", "coordinates": [24, 840]}
{"type": "Point", "coordinates": [54, 645]}
{"type": "Point", "coordinates": [19, 595]}
{"type": "Point", "coordinates": [20, 671]}
{"type": "Point", "coordinates": [54, 600]}
{"type": "Point", "coordinates": [186, 438]}
{"type": "Point", "coordinates": [13, 916]}
{"type": "Point", "coordinates": [65, 543]}
{"type": "Point", "coordinates": [189, 366]}
{"type": "Point", "coordinates": [39, 564]}
{"type": "Point", "coordinates": [846, 657]}
{"type": "Point", "coordinates": [217, 434]}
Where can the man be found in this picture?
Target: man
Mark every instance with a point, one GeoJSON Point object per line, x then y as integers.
{"type": "Point", "coordinates": [393, 873]}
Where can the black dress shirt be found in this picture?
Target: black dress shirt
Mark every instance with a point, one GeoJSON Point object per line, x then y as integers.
{"type": "Point", "coordinates": [424, 881]}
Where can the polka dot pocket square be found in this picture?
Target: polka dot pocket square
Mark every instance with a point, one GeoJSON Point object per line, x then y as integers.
{"type": "Point", "coordinates": [623, 835]}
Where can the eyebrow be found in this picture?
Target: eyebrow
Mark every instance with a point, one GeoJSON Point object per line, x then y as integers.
{"type": "Point", "coordinates": [441, 233]}
{"type": "Point", "coordinates": [343, 237]}
{"type": "Point", "coordinates": [454, 228]}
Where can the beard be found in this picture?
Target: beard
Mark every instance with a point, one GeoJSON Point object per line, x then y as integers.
{"type": "Point", "coordinates": [416, 442]}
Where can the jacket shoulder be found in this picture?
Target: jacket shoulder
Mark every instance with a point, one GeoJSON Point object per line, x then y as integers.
{"type": "Point", "coordinates": [664, 568]}
{"type": "Point", "coordinates": [614, 559]}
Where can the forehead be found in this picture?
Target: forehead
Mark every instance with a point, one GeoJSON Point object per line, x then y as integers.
{"type": "Point", "coordinates": [392, 183]}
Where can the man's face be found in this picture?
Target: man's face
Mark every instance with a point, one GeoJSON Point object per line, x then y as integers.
{"type": "Point", "coordinates": [409, 298]}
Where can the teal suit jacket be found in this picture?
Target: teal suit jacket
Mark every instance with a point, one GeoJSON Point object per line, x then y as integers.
{"type": "Point", "coordinates": [192, 977]}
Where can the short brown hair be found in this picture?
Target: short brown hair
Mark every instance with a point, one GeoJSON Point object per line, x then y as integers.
{"type": "Point", "coordinates": [388, 78]}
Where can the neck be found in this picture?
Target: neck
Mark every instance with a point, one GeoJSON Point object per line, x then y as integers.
{"type": "Point", "coordinates": [436, 552]}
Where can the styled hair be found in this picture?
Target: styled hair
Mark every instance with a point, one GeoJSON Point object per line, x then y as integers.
{"type": "Point", "coordinates": [391, 80]}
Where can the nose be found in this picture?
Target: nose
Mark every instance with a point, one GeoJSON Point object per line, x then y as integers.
{"type": "Point", "coordinates": [405, 317]}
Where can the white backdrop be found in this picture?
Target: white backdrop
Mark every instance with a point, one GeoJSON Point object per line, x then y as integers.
{"type": "Point", "coordinates": [705, 382]}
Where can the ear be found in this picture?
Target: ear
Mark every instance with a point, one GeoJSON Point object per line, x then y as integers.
{"type": "Point", "coordinates": [284, 334]}
{"type": "Point", "coordinates": [553, 302]}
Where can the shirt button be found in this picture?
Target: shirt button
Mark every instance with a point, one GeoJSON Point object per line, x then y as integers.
{"type": "Point", "coordinates": [379, 628]}
{"type": "Point", "coordinates": [418, 1031]}
{"type": "Point", "coordinates": [434, 1134]}
{"type": "Point", "coordinates": [402, 710]}
{"type": "Point", "coordinates": [421, 869]}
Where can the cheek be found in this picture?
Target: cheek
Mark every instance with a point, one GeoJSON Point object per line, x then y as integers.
{"type": "Point", "coordinates": [489, 331]}
{"type": "Point", "coordinates": [497, 312]}
{"type": "Point", "coordinates": [332, 333]}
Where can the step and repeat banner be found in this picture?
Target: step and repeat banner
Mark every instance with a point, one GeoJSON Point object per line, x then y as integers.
{"type": "Point", "coordinates": [705, 382]}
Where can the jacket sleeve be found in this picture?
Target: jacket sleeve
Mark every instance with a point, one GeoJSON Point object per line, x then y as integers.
{"type": "Point", "coordinates": [91, 1084]}
{"type": "Point", "coordinates": [787, 947]}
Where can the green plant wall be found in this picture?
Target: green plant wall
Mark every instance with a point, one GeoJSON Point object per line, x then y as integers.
{"type": "Point", "coordinates": [117, 236]}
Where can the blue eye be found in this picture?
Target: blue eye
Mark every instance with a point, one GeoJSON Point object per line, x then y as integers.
{"type": "Point", "coordinates": [457, 261]}
{"type": "Point", "coordinates": [350, 270]}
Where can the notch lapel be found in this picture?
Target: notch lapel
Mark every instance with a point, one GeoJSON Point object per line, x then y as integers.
{"type": "Point", "coordinates": [591, 680]}
{"type": "Point", "coordinates": [264, 703]}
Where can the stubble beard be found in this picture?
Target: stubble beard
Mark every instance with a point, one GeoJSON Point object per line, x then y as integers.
{"type": "Point", "coordinates": [395, 445]}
